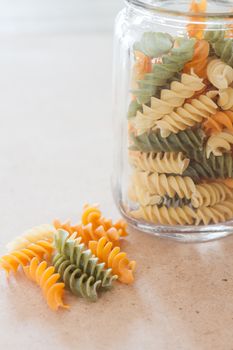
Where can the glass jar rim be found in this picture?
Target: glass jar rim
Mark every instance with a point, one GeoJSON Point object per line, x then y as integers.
{"type": "Point", "coordinates": [158, 9]}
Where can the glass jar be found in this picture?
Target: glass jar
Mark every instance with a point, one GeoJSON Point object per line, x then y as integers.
{"type": "Point", "coordinates": [173, 113]}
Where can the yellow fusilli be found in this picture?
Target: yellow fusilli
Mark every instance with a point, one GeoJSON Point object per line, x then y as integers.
{"type": "Point", "coordinates": [37, 233]}
{"type": "Point", "coordinates": [169, 99]}
{"type": "Point", "coordinates": [138, 194]}
{"type": "Point", "coordinates": [185, 215]}
{"type": "Point", "coordinates": [218, 213]}
{"type": "Point", "coordinates": [47, 279]}
{"type": "Point", "coordinates": [225, 99]}
{"type": "Point", "coordinates": [219, 74]}
{"type": "Point", "coordinates": [166, 216]}
{"type": "Point", "coordinates": [163, 185]}
{"type": "Point", "coordinates": [167, 162]}
{"type": "Point", "coordinates": [186, 116]}
{"type": "Point", "coordinates": [114, 259]}
{"type": "Point", "coordinates": [210, 194]}
{"type": "Point", "coordinates": [219, 143]}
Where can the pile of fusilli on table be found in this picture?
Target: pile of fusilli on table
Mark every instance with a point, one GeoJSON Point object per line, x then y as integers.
{"type": "Point", "coordinates": [85, 258]}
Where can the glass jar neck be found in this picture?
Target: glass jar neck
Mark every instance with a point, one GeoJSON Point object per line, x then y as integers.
{"type": "Point", "coordinates": [220, 10]}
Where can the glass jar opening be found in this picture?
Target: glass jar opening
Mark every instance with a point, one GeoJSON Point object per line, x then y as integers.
{"type": "Point", "coordinates": [215, 8]}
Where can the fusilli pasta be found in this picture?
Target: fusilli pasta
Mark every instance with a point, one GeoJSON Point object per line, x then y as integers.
{"type": "Point", "coordinates": [166, 216]}
{"type": "Point", "coordinates": [218, 122]}
{"type": "Point", "coordinates": [37, 233]}
{"type": "Point", "coordinates": [210, 194]}
{"type": "Point", "coordinates": [185, 215]}
{"type": "Point", "coordinates": [114, 259]}
{"type": "Point", "coordinates": [219, 143]}
{"type": "Point", "coordinates": [79, 283]}
{"type": "Point", "coordinates": [186, 116]}
{"type": "Point", "coordinates": [212, 167]}
{"type": "Point", "coordinates": [219, 73]}
{"type": "Point", "coordinates": [47, 279]}
{"type": "Point", "coordinates": [138, 194]}
{"type": "Point", "coordinates": [91, 214]}
{"type": "Point", "coordinates": [141, 66]}
{"type": "Point", "coordinates": [200, 59]}
{"type": "Point", "coordinates": [163, 72]}
{"type": "Point", "coordinates": [87, 232]}
{"type": "Point", "coordinates": [82, 258]}
{"type": "Point", "coordinates": [23, 257]}
{"type": "Point", "coordinates": [225, 100]}
{"type": "Point", "coordinates": [167, 163]}
{"type": "Point", "coordinates": [194, 29]}
{"type": "Point", "coordinates": [184, 141]}
{"type": "Point", "coordinates": [169, 98]}
{"type": "Point", "coordinates": [163, 185]}
{"type": "Point", "coordinates": [218, 213]}
{"type": "Point", "coordinates": [223, 48]}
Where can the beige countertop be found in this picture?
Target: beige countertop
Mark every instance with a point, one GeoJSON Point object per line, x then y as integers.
{"type": "Point", "coordinates": [55, 155]}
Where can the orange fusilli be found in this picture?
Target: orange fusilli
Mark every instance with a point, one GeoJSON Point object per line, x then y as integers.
{"type": "Point", "coordinates": [196, 29]}
{"type": "Point", "coordinates": [47, 279]}
{"type": "Point", "coordinates": [218, 122]}
{"type": "Point", "coordinates": [23, 257]}
{"type": "Point", "coordinates": [200, 59]}
{"type": "Point", "coordinates": [114, 259]}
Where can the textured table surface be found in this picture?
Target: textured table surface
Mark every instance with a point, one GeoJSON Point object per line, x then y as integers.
{"type": "Point", "coordinates": [55, 154]}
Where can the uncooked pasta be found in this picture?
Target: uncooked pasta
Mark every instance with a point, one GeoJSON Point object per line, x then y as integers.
{"type": "Point", "coordinates": [181, 128]}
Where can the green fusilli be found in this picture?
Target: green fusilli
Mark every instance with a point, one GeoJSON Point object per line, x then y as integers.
{"type": "Point", "coordinates": [174, 202]}
{"type": "Point", "coordinates": [222, 47]}
{"type": "Point", "coordinates": [212, 167]}
{"type": "Point", "coordinates": [184, 141]}
{"type": "Point", "coordinates": [172, 64]}
{"type": "Point", "coordinates": [79, 283]}
{"type": "Point", "coordinates": [83, 258]}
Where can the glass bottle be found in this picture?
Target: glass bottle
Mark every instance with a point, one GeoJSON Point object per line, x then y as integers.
{"type": "Point", "coordinates": [173, 117]}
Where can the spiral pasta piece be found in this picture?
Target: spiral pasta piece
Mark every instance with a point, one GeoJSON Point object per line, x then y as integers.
{"type": "Point", "coordinates": [163, 185]}
{"type": "Point", "coordinates": [200, 59]}
{"type": "Point", "coordinates": [141, 66]}
{"type": "Point", "coordinates": [140, 195]}
{"type": "Point", "coordinates": [46, 278]}
{"type": "Point", "coordinates": [92, 214]}
{"type": "Point", "coordinates": [37, 233]}
{"type": "Point", "coordinates": [219, 73]}
{"type": "Point", "coordinates": [114, 259]}
{"type": "Point", "coordinates": [219, 121]}
{"type": "Point", "coordinates": [172, 63]}
{"type": "Point", "coordinates": [214, 36]}
{"type": "Point", "coordinates": [184, 141]}
{"type": "Point", "coordinates": [88, 233]}
{"type": "Point", "coordinates": [168, 100]}
{"type": "Point", "coordinates": [222, 47]}
{"type": "Point", "coordinates": [167, 163]}
{"type": "Point", "coordinates": [23, 257]}
{"type": "Point", "coordinates": [186, 116]}
{"type": "Point", "coordinates": [225, 100]}
{"type": "Point", "coordinates": [166, 216]}
{"type": "Point", "coordinates": [82, 258]}
{"type": "Point", "coordinates": [219, 143]}
{"type": "Point", "coordinates": [196, 30]}
{"type": "Point", "coordinates": [212, 167]}
{"type": "Point", "coordinates": [227, 182]}
{"type": "Point", "coordinates": [210, 194]}
{"type": "Point", "coordinates": [79, 283]}
{"type": "Point", "coordinates": [220, 212]}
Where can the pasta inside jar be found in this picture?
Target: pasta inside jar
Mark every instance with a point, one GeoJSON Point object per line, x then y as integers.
{"type": "Point", "coordinates": [180, 125]}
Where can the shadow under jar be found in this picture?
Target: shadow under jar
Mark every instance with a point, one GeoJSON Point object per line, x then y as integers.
{"type": "Point", "coordinates": [173, 115]}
